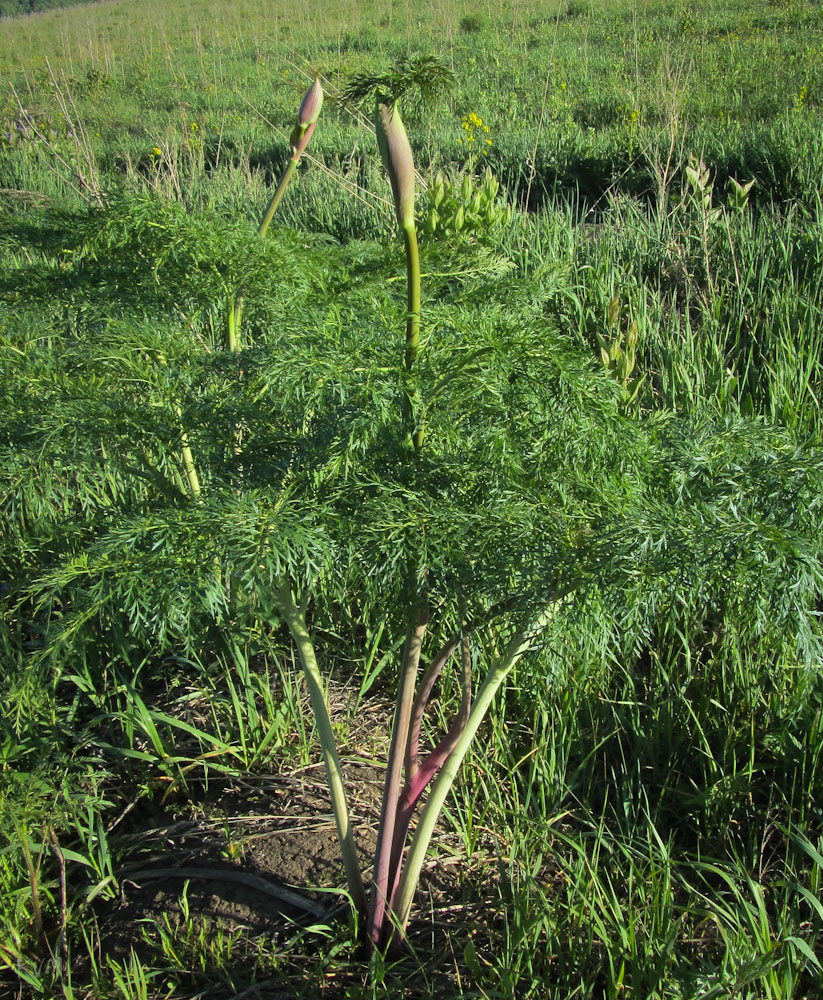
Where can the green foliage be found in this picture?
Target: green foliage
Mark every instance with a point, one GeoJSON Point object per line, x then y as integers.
{"type": "Point", "coordinates": [738, 194]}
{"type": "Point", "coordinates": [467, 204]}
{"type": "Point", "coordinates": [653, 772]}
{"type": "Point", "coordinates": [472, 24]}
{"type": "Point", "coordinates": [419, 81]}
{"type": "Point", "coordinates": [617, 355]}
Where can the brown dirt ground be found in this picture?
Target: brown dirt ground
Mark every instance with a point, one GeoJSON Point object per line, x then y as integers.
{"type": "Point", "coordinates": [279, 828]}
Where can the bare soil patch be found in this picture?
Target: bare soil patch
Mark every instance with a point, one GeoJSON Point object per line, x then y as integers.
{"type": "Point", "coordinates": [258, 860]}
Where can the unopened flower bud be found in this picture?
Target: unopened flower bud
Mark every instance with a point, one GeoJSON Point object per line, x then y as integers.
{"type": "Point", "coordinates": [307, 117]}
{"type": "Point", "coordinates": [396, 154]}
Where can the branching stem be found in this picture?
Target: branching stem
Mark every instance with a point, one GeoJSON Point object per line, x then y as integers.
{"type": "Point", "coordinates": [391, 788]}
{"type": "Point", "coordinates": [424, 689]}
{"type": "Point", "coordinates": [498, 671]}
{"type": "Point", "coordinates": [418, 779]}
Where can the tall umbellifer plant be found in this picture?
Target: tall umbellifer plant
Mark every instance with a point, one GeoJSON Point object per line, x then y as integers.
{"type": "Point", "coordinates": [396, 873]}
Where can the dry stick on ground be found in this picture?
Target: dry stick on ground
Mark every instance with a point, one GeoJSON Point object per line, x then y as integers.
{"type": "Point", "coordinates": [281, 894]}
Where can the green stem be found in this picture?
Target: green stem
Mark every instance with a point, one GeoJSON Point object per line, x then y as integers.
{"type": "Point", "coordinates": [34, 883]}
{"type": "Point", "coordinates": [236, 303]}
{"type": "Point", "coordinates": [231, 342]}
{"type": "Point", "coordinates": [413, 294]}
{"type": "Point", "coordinates": [391, 788]}
{"type": "Point", "coordinates": [296, 621]}
{"type": "Point", "coordinates": [412, 325]}
{"type": "Point", "coordinates": [238, 319]}
{"type": "Point", "coordinates": [233, 345]}
{"type": "Point", "coordinates": [282, 184]}
{"type": "Point", "coordinates": [520, 644]}
{"type": "Point", "coordinates": [188, 460]}
{"type": "Point", "coordinates": [191, 471]}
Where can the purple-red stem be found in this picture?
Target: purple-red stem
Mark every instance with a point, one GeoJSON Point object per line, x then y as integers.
{"type": "Point", "coordinates": [421, 700]}
{"type": "Point", "coordinates": [417, 783]}
{"type": "Point", "coordinates": [391, 788]}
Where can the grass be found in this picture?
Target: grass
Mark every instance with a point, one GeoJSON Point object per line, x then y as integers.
{"type": "Point", "coordinates": [640, 811]}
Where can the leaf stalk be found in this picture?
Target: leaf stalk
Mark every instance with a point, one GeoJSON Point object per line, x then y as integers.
{"type": "Point", "coordinates": [391, 788]}
{"type": "Point", "coordinates": [296, 622]}
{"type": "Point", "coordinates": [520, 644]}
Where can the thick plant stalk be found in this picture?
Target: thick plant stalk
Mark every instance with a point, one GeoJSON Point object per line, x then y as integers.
{"type": "Point", "coordinates": [413, 298]}
{"type": "Point", "coordinates": [235, 312]}
{"type": "Point", "coordinates": [188, 459]}
{"type": "Point", "coordinates": [295, 619]}
{"type": "Point", "coordinates": [381, 877]}
{"type": "Point", "coordinates": [396, 153]}
{"type": "Point", "coordinates": [413, 320]}
{"type": "Point", "coordinates": [430, 675]}
{"type": "Point", "coordinates": [418, 779]}
{"type": "Point", "coordinates": [279, 191]}
{"type": "Point", "coordinates": [191, 470]}
{"type": "Point", "coordinates": [520, 644]}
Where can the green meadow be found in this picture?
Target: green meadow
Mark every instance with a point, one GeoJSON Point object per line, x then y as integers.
{"type": "Point", "coordinates": [239, 511]}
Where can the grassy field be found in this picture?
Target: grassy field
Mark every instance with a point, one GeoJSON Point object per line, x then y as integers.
{"type": "Point", "coordinates": [619, 378]}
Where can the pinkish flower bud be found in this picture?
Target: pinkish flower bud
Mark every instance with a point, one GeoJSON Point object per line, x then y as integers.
{"type": "Point", "coordinates": [396, 154]}
{"type": "Point", "coordinates": [307, 117]}
{"type": "Point", "coordinates": [311, 104]}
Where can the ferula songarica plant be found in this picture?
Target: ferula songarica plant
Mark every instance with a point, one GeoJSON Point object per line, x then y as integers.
{"type": "Point", "coordinates": [407, 775]}
{"type": "Point", "coordinates": [408, 772]}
